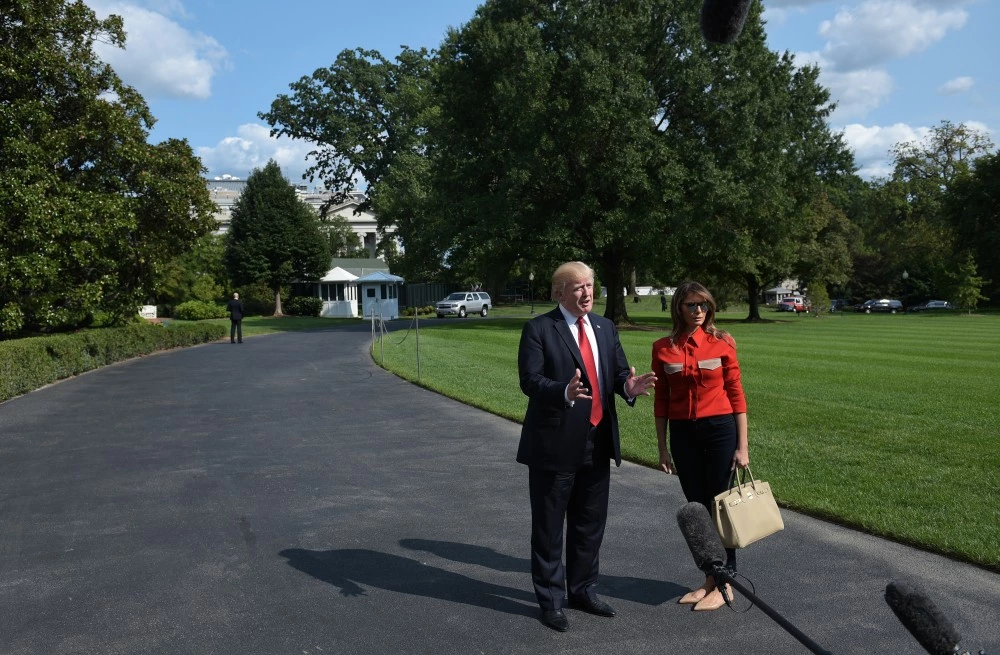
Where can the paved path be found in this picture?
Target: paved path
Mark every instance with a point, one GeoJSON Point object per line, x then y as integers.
{"type": "Point", "coordinates": [287, 496]}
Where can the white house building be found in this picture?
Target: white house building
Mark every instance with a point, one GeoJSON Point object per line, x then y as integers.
{"type": "Point", "coordinates": [226, 191]}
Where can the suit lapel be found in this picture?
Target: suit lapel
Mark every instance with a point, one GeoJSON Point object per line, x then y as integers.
{"type": "Point", "coordinates": [562, 329]}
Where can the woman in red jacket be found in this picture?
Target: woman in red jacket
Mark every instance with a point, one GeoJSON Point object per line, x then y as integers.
{"type": "Point", "coordinates": [698, 391]}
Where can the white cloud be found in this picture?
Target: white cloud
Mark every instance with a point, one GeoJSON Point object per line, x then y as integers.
{"type": "Point", "coordinates": [855, 92]}
{"type": "Point", "coordinates": [161, 58]}
{"type": "Point", "coordinates": [872, 145]}
{"type": "Point", "coordinates": [876, 31]}
{"type": "Point", "coordinates": [252, 148]}
{"type": "Point", "coordinates": [957, 85]}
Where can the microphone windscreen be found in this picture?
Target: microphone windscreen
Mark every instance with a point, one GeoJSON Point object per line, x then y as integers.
{"type": "Point", "coordinates": [701, 536]}
{"type": "Point", "coordinates": [722, 20]}
{"type": "Point", "coordinates": [916, 611]}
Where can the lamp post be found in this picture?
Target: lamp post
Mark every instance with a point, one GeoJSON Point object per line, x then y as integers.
{"type": "Point", "coordinates": [531, 284]}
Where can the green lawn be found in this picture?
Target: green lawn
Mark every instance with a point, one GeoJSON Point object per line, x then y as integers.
{"type": "Point", "coordinates": [884, 422]}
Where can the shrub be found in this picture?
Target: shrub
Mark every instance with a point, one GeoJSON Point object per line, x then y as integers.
{"type": "Point", "coordinates": [303, 306]}
{"type": "Point", "coordinates": [27, 364]}
{"type": "Point", "coordinates": [198, 310]}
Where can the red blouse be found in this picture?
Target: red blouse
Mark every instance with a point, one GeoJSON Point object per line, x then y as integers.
{"type": "Point", "coordinates": [698, 379]}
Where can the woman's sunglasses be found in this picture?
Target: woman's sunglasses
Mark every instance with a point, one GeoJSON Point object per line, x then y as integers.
{"type": "Point", "coordinates": [691, 306]}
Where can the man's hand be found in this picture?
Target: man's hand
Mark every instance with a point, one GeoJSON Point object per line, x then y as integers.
{"type": "Point", "coordinates": [639, 386]}
{"type": "Point", "coordinates": [575, 389]}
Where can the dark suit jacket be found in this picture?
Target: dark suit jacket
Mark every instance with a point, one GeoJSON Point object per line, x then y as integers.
{"type": "Point", "coordinates": [554, 435]}
{"type": "Point", "coordinates": [235, 308]}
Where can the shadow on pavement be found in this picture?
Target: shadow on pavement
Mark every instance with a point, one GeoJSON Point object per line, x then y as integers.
{"type": "Point", "coordinates": [349, 569]}
{"type": "Point", "coordinates": [638, 590]}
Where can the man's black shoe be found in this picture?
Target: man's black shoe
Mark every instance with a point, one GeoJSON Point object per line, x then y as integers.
{"type": "Point", "coordinates": [593, 605]}
{"type": "Point", "coordinates": [555, 619]}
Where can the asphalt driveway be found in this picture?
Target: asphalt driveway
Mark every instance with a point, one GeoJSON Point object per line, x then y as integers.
{"type": "Point", "coordinates": [288, 496]}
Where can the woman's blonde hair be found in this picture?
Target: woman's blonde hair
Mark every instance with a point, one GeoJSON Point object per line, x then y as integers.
{"type": "Point", "coordinates": [679, 330]}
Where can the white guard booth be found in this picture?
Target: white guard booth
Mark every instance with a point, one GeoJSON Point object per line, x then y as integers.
{"type": "Point", "coordinates": [379, 293]}
{"type": "Point", "coordinates": [339, 294]}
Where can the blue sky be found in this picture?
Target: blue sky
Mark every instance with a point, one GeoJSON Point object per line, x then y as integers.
{"type": "Point", "coordinates": [895, 67]}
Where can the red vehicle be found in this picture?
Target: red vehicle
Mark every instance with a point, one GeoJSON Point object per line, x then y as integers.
{"type": "Point", "coordinates": [795, 304]}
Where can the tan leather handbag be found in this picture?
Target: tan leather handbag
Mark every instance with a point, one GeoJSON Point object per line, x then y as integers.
{"type": "Point", "coordinates": [746, 512]}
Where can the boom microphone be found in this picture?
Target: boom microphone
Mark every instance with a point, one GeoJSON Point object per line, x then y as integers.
{"type": "Point", "coordinates": [701, 537]}
{"type": "Point", "coordinates": [928, 626]}
{"type": "Point", "coordinates": [722, 20]}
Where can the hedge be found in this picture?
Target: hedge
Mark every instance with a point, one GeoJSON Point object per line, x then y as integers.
{"type": "Point", "coordinates": [303, 306]}
{"type": "Point", "coordinates": [28, 364]}
{"type": "Point", "coordinates": [199, 310]}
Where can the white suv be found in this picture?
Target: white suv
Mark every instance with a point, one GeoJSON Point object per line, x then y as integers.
{"type": "Point", "coordinates": [462, 303]}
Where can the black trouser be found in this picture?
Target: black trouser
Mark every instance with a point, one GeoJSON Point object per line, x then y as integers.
{"type": "Point", "coordinates": [702, 451]}
{"type": "Point", "coordinates": [580, 498]}
{"type": "Point", "coordinates": [236, 330]}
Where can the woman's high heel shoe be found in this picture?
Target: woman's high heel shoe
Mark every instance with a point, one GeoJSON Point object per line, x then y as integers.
{"type": "Point", "coordinates": [713, 600]}
{"type": "Point", "coordinates": [693, 596]}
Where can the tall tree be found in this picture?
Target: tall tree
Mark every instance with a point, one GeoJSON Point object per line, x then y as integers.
{"type": "Point", "coordinates": [91, 210]}
{"type": "Point", "coordinates": [973, 209]}
{"type": "Point", "coordinates": [751, 128]}
{"type": "Point", "coordinates": [549, 148]}
{"type": "Point", "coordinates": [364, 112]}
{"type": "Point", "coordinates": [908, 226]}
{"type": "Point", "coordinates": [274, 237]}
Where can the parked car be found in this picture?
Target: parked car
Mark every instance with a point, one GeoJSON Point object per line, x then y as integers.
{"type": "Point", "coordinates": [932, 304]}
{"type": "Point", "coordinates": [840, 304]}
{"type": "Point", "coordinates": [882, 305]}
{"type": "Point", "coordinates": [462, 303]}
{"type": "Point", "coordinates": [795, 304]}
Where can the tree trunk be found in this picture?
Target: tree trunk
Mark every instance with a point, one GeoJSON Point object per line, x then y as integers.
{"type": "Point", "coordinates": [631, 285]}
{"type": "Point", "coordinates": [613, 279]}
{"type": "Point", "coordinates": [277, 302]}
{"type": "Point", "coordinates": [753, 297]}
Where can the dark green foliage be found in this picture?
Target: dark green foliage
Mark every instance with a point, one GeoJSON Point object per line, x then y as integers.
{"type": "Point", "coordinates": [274, 238]}
{"type": "Point", "coordinates": [197, 274]}
{"type": "Point", "coordinates": [27, 364]}
{"type": "Point", "coordinates": [343, 241]}
{"type": "Point", "coordinates": [199, 310]}
{"type": "Point", "coordinates": [90, 209]}
{"type": "Point", "coordinates": [973, 209]}
{"type": "Point", "coordinates": [304, 306]}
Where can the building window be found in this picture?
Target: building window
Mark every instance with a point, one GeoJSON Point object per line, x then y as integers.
{"type": "Point", "coordinates": [332, 291]}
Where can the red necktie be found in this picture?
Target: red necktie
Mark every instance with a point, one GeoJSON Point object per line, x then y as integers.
{"type": "Point", "coordinates": [596, 409]}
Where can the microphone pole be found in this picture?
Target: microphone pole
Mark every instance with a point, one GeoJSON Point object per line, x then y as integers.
{"type": "Point", "coordinates": [706, 548]}
{"type": "Point", "coordinates": [723, 576]}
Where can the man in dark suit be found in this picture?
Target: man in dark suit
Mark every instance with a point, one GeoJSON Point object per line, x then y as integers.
{"type": "Point", "coordinates": [235, 307]}
{"type": "Point", "coordinates": [571, 364]}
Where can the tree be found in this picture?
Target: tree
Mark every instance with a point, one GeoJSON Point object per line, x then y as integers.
{"type": "Point", "coordinates": [751, 129]}
{"type": "Point", "coordinates": [197, 274]}
{"type": "Point", "coordinates": [612, 132]}
{"type": "Point", "coordinates": [972, 206]}
{"type": "Point", "coordinates": [274, 237]}
{"type": "Point", "coordinates": [968, 285]}
{"type": "Point", "coordinates": [909, 225]}
{"type": "Point", "coordinates": [342, 240]}
{"type": "Point", "coordinates": [364, 112]}
{"type": "Point", "coordinates": [91, 210]}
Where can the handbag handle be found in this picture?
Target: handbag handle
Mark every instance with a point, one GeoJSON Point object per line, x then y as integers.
{"type": "Point", "coordinates": [738, 479]}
